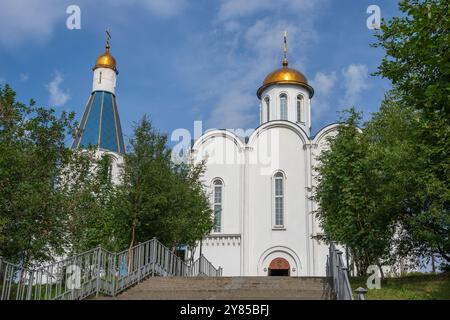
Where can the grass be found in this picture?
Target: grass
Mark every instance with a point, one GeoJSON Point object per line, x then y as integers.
{"type": "Point", "coordinates": [410, 287]}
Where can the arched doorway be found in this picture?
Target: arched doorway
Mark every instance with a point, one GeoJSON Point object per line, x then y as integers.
{"type": "Point", "coordinates": [279, 267]}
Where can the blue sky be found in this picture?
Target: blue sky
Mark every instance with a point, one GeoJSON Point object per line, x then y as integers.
{"type": "Point", "coordinates": [181, 60]}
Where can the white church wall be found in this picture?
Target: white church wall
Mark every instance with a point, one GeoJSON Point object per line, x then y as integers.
{"type": "Point", "coordinates": [223, 251]}
{"type": "Point", "coordinates": [104, 80]}
{"type": "Point", "coordinates": [291, 91]}
{"type": "Point", "coordinates": [224, 157]}
{"type": "Point", "coordinates": [283, 144]}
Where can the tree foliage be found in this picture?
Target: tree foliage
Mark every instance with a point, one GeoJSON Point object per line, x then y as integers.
{"type": "Point", "coordinates": [160, 199]}
{"type": "Point", "coordinates": [385, 192]}
{"type": "Point", "coordinates": [417, 62]}
{"type": "Point", "coordinates": [56, 201]}
{"type": "Point", "coordinates": [350, 193]}
{"type": "Point", "coordinates": [32, 153]}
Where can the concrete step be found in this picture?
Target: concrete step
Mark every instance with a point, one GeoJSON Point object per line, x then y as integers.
{"type": "Point", "coordinates": [229, 288]}
{"type": "Point", "coordinates": [232, 283]}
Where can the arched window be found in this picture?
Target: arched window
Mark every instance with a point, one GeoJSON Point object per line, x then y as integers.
{"type": "Point", "coordinates": [279, 199]}
{"type": "Point", "coordinates": [299, 108]}
{"type": "Point", "coordinates": [283, 107]}
{"type": "Point", "coordinates": [267, 100]}
{"type": "Point", "coordinates": [261, 120]}
{"type": "Point", "coordinates": [218, 190]}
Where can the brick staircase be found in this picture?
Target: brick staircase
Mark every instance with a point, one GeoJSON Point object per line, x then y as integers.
{"type": "Point", "coordinates": [228, 288]}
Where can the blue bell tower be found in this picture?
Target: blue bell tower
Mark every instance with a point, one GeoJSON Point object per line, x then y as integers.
{"type": "Point", "coordinates": [100, 124]}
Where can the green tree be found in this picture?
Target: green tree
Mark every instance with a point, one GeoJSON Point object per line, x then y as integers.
{"type": "Point", "coordinates": [417, 62]}
{"type": "Point", "coordinates": [89, 197]}
{"type": "Point", "coordinates": [32, 152]}
{"type": "Point", "coordinates": [57, 201]}
{"type": "Point", "coordinates": [157, 198]}
{"type": "Point", "coordinates": [350, 193]}
{"type": "Point", "coordinates": [417, 59]}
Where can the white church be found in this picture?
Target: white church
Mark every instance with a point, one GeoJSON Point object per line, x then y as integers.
{"type": "Point", "coordinates": [261, 186]}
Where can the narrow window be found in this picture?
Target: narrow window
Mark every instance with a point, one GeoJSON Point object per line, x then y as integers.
{"type": "Point", "coordinates": [299, 108]}
{"type": "Point", "coordinates": [218, 189]}
{"type": "Point", "coordinates": [283, 107]}
{"type": "Point", "coordinates": [267, 100]}
{"type": "Point", "coordinates": [100, 78]}
{"type": "Point", "coordinates": [261, 120]}
{"type": "Point", "coordinates": [279, 199]}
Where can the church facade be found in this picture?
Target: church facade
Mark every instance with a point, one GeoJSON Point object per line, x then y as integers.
{"type": "Point", "coordinates": [261, 186]}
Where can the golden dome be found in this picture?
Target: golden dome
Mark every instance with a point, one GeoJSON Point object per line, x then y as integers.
{"type": "Point", "coordinates": [106, 60]}
{"type": "Point", "coordinates": [285, 75]}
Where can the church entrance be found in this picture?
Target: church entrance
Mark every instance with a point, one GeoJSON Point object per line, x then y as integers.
{"type": "Point", "coordinates": [279, 267]}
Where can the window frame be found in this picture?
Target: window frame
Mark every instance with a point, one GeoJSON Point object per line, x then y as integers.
{"type": "Point", "coordinates": [267, 103]}
{"type": "Point", "coordinates": [300, 108]}
{"type": "Point", "coordinates": [216, 183]}
{"type": "Point", "coordinates": [282, 97]}
{"type": "Point", "coordinates": [276, 176]}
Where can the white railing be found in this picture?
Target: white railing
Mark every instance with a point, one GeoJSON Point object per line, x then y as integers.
{"type": "Point", "coordinates": [338, 274]}
{"type": "Point", "coordinates": [97, 271]}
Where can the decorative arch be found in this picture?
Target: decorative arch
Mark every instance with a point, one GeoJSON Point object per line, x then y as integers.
{"type": "Point", "coordinates": [325, 131]}
{"type": "Point", "coordinates": [217, 179]}
{"type": "Point", "coordinates": [278, 124]}
{"type": "Point", "coordinates": [283, 252]}
{"type": "Point", "coordinates": [218, 133]}
{"type": "Point", "coordinates": [200, 149]}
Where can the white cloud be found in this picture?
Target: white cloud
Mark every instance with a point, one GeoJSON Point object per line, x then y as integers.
{"type": "Point", "coordinates": [245, 61]}
{"type": "Point", "coordinates": [355, 77]}
{"type": "Point", "coordinates": [231, 26]}
{"type": "Point", "coordinates": [162, 8]}
{"type": "Point", "coordinates": [233, 110]}
{"type": "Point", "coordinates": [36, 20]}
{"type": "Point", "coordinates": [57, 97]}
{"type": "Point", "coordinates": [22, 20]}
{"type": "Point", "coordinates": [24, 77]}
{"type": "Point", "coordinates": [324, 84]}
{"type": "Point", "coordinates": [232, 9]}
{"type": "Point", "coordinates": [246, 50]}
{"type": "Point", "coordinates": [335, 91]}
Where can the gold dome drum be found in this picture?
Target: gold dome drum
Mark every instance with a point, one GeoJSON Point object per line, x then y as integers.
{"type": "Point", "coordinates": [106, 60]}
{"type": "Point", "coordinates": [285, 75]}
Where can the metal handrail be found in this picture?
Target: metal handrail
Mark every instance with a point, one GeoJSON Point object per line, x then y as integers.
{"type": "Point", "coordinates": [338, 273]}
{"type": "Point", "coordinates": [97, 271]}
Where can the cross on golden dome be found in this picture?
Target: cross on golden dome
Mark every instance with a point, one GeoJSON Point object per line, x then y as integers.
{"type": "Point", "coordinates": [106, 60]}
{"type": "Point", "coordinates": [285, 75]}
{"type": "Point", "coordinates": [285, 62]}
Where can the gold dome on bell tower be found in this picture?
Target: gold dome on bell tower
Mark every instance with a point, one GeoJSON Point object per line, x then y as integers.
{"type": "Point", "coordinates": [285, 75]}
{"type": "Point", "coordinates": [106, 60]}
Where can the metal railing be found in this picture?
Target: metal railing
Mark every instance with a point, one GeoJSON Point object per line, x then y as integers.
{"type": "Point", "coordinates": [203, 267]}
{"type": "Point", "coordinates": [338, 273]}
{"type": "Point", "coordinates": [97, 271]}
